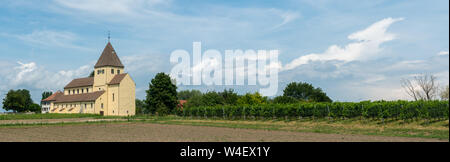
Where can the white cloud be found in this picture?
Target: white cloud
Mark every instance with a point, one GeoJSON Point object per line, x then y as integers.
{"type": "Point", "coordinates": [127, 7]}
{"type": "Point", "coordinates": [367, 45]}
{"type": "Point", "coordinates": [143, 63]}
{"type": "Point", "coordinates": [50, 38]}
{"type": "Point", "coordinates": [407, 65]}
{"type": "Point", "coordinates": [30, 75]}
{"type": "Point", "coordinates": [286, 16]}
{"type": "Point", "coordinates": [443, 53]}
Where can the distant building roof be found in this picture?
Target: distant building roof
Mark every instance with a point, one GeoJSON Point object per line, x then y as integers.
{"type": "Point", "coordinates": [84, 97]}
{"type": "Point", "coordinates": [109, 58]}
{"type": "Point", "coordinates": [81, 82]}
{"type": "Point", "coordinates": [117, 78]}
{"type": "Point", "coordinates": [181, 103]}
{"type": "Point", "coordinates": [53, 96]}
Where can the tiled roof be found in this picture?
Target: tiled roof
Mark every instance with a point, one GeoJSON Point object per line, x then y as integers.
{"type": "Point", "coordinates": [53, 96]}
{"type": "Point", "coordinates": [117, 78]}
{"type": "Point", "coordinates": [182, 102]}
{"type": "Point", "coordinates": [84, 97]}
{"type": "Point", "coordinates": [81, 82]}
{"type": "Point", "coordinates": [109, 58]}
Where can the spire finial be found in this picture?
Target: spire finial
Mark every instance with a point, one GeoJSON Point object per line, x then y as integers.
{"type": "Point", "coordinates": [109, 36]}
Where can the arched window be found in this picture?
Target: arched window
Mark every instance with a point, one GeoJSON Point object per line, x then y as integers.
{"type": "Point", "coordinates": [87, 90]}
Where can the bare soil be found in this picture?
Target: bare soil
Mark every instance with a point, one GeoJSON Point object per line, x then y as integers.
{"type": "Point", "coordinates": [148, 132]}
{"type": "Point", "coordinates": [64, 120]}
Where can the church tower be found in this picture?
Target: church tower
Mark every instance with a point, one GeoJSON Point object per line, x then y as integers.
{"type": "Point", "coordinates": [107, 66]}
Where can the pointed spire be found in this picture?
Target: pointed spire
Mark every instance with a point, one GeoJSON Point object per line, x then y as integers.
{"type": "Point", "coordinates": [109, 58]}
{"type": "Point", "coordinates": [109, 36]}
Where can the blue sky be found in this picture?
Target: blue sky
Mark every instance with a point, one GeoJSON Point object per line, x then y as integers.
{"type": "Point", "coordinates": [353, 50]}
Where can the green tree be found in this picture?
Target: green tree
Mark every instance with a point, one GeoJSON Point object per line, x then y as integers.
{"type": "Point", "coordinates": [252, 99]}
{"type": "Point", "coordinates": [188, 94]}
{"type": "Point", "coordinates": [34, 108]}
{"type": "Point", "coordinates": [161, 92]}
{"type": "Point", "coordinates": [212, 99]}
{"type": "Point", "coordinates": [140, 106]}
{"type": "Point", "coordinates": [284, 100]}
{"type": "Point", "coordinates": [305, 92]}
{"type": "Point", "coordinates": [195, 101]}
{"type": "Point", "coordinates": [46, 94]}
{"type": "Point", "coordinates": [17, 100]}
{"type": "Point", "coordinates": [229, 96]}
{"type": "Point", "coordinates": [92, 74]}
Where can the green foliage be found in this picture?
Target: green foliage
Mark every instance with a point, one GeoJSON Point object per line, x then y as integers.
{"type": "Point", "coordinates": [92, 74]}
{"type": "Point", "coordinates": [284, 100]}
{"type": "Point", "coordinates": [161, 92]}
{"type": "Point", "coordinates": [305, 92]}
{"type": "Point", "coordinates": [405, 110]}
{"type": "Point", "coordinates": [212, 98]}
{"type": "Point", "coordinates": [229, 97]}
{"type": "Point", "coordinates": [18, 101]}
{"type": "Point", "coordinates": [188, 94]}
{"type": "Point", "coordinates": [35, 108]}
{"type": "Point", "coordinates": [140, 106]}
{"type": "Point", "coordinates": [162, 109]}
{"type": "Point", "coordinates": [46, 94]}
{"type": "Point", "coordinates": [252, 99]}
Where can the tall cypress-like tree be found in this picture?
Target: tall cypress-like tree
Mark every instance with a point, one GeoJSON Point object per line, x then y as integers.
{"type": "Point", "coordinates": [161, 95]}
{"type": "Point", "coordinates": [46, 94]}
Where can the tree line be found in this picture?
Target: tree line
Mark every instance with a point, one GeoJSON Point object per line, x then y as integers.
{"type": "Point", "coordinates": [162, 96]}
{"type": "Point", "coordinates": [20, 101]}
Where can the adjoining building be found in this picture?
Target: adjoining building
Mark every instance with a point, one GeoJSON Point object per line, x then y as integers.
{"type": "Point", "coordinates": [109, 92]}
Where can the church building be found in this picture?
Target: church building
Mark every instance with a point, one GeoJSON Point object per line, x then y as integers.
{"type": "Point", "coordinates": [110, 91]}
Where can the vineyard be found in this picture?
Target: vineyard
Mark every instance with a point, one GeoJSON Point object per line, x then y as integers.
{"type": "Point", "coordinates": [381, 110]}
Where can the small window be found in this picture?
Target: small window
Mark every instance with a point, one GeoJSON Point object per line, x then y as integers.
{"type": "Point", "coordinates": [113, 97]}
{"type": "Point", "coordinates": [85, 105]}
{"type": "Point", "coordinates": [87, 90]}
{"type": "Point", "coordinates": [101, 105]}
{"type": "Point", "coordinates": [69, 91]}
{"type": "Point", "coordinates": [113, 111]}
{"type": "Point", "coordinates": [112, 71]}
{"type": "Point", "coordinates": [82, 90]}
{"type": "Point", "coordinates": [98, 72]}
{"type": "Point", "coordinates": [118, 71]}
{"type": "Point", "coordinates": [78, 91]}
{"type": "Point", "coordinates": [103, 71]}
{"type": "Point", "coordinates": [73, 91]}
